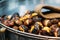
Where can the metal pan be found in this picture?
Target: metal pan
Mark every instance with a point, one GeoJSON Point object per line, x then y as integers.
{"type": "Point", "coordinates": [29, 35]}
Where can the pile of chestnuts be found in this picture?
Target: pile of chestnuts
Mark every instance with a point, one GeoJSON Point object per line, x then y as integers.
{"type": "Point", "coordinates": [32, 22]}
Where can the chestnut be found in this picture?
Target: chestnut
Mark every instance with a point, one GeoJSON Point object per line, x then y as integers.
{"type": "Point", "coordinates": [35, 28]}
{"type": "Point", "coordinates": [47, 29]}
{"type": "Point", "coordinates": [8, 22]}
{"type": "Point", "coordinates": [5, 22]}
{"type": "Point", "coordinates": [47, 22]}
{"type": "Point", "coordinates": [23, 28]}
{"type": "Point", "coordinates": [59, 24]}
{"type": "Point", "coordinates": [11, 23]}
{"type": "Point", "coordinates": [2, 29]}
{"type": "Point", "coordinates": [15, 27]}
{"type": "Point", "coordinates": [15, 15]}
{"type": "Point", "coordinates": [25, 17]}
{"type": "Point", "coordinates": [54, 30]}
{"type": "Point", "coordinates": [45, 33]}
{"type": "Point", "coordinates": [54, 21]}
{"type": "Point", "coordinates": [58, 32]}
{"type": "Point", "coordinates": [18, 22]}
{"type": "Point", "coordinates": [54, 26]}
{"type": "Point", "coordinates": [8, 17]}
{"type": "Point", "coordinates": [28, 22]}
{"type": "Point", "coordinates": [34, 14]}
{"type": "Point", "coordinates": [21, 19]}
{"type": "Point", "coordinates": [40, 24]}
{"type": "Point", "coordinates": [36, 18]}
{"type": "Point", "coordinates": [3, 18]}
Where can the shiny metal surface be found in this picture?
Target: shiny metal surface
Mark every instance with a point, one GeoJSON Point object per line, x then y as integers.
{"type": "Point", "coordinates": [15, 34]}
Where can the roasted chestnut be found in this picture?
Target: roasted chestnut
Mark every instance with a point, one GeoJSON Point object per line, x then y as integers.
{"type": "Point", "coordinates": [54, 30]}
{"type": "Point", "coordinates": [45, 33]}
{"type": "Point", "coordinates": [58, 32]}
{"type": "Point", "coordinates": [36, 18]}
{"type": "Point", "coordinates": [11, 23]}
{"type": "Point", "coordinates": [54, 21]}
{"type": "Point", "coordinates": [23, 28]}
{"type": "Point", "coordinates": [5, 22]}
{"type": "Point", "coordinates": [47, 29]}
{"type": "Point", "coordinates": [32, 22]}
{"type": "Point", "coordinates": [34, 14]}
{"type": "Point", "coordinates": [3, 18]}
{"type": "Point", "coordinates": [8, 17]}
{"type": "Point", "coordinates": [47, 22]}
{"type": "Point", "coordinates": [25, 17]}
{"type": "Point", "coordinates": [59, 24]}
{"type": "Point", "coordinates": [32, 28]}
{"type": "Point", "coordinates": [15, 27]}
{"type": "Point", "coordinates": [2, 29]}
{"type": "Point", "coordinates": [18, 22]}
{"type": "Point", "coordinates": [28, 22]}
{"type": "Point", "coordinates": [35, 28]}
{"type": "Point", "coordinates": [40, 24]}
{"type": "Point", "coordinates": [15, 15]}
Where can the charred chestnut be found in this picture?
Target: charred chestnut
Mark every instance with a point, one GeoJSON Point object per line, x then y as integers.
{"type": "Point", "coordinates": [54, 21]}
{"type": "Point", "coordinates": [11, 23]}
{"type": "Point", "coordinates": [23, 28]}
{"type": "Point", "coordinates": [34, 14]}
{"type": "Point", "coordinates": [40, 24]}
{"type": "Point", "coordinates": [35, 28]}
{"type": "Point", "coordinates": [15, 27]}
{"type": "Point", "coordinates": [54, 30]}
{"type": "Point", "coordinates": [15, 15]}
{"type": "Point", "coordinates": [32, 28]}
{"type": "Point", "coordinates": [3, 18]}
{"type": "Point", "coordinates": [59, 24]}
{"type": "Point", "coordinates": [28, 22]}
{"type": "Point", "coordinates": [45, 31]}
{"type": "Point", "coordinates": [25, 17]}
{"type": "Point", "coordinates": [8, 17]}
{"type": "Point", "coordinates": [58, 32]}
{"type": "Point", "coordinates": [6, 22]}
{"type": "Point", "coordinates": [18, 22]}
{"type": "Point", "coordinates": [36, 18]}
{"type": "Point", "coordinates": [47, 22]}
{"type": "Point", "coordinates": [32, 22]}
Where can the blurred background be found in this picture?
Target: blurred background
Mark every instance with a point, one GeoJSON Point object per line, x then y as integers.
{"type": "Point", "coordinates": [11, 6]}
